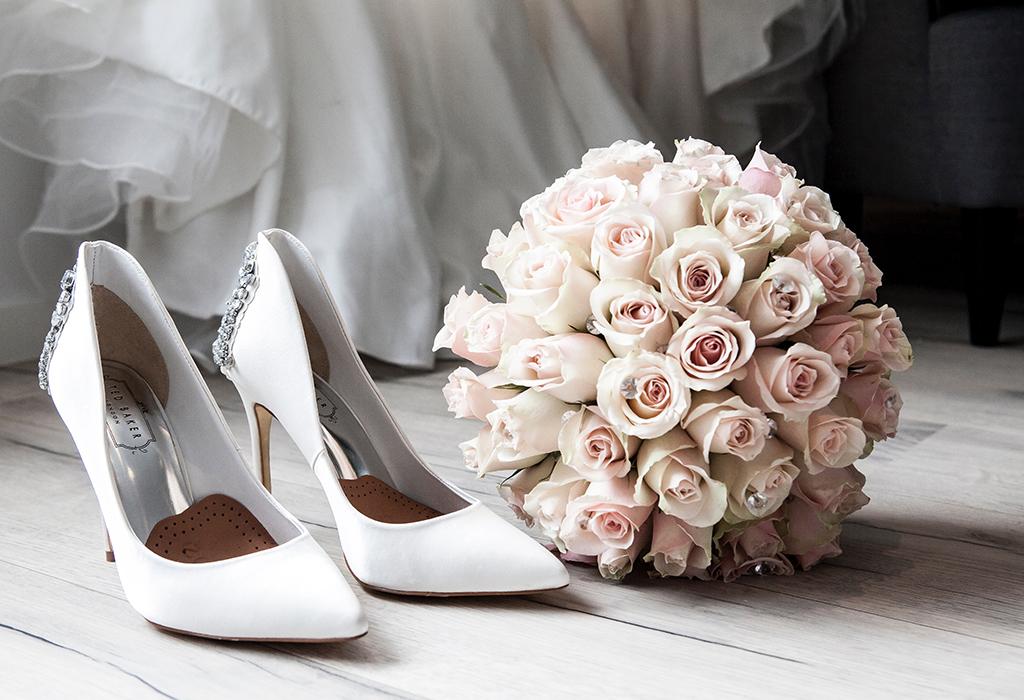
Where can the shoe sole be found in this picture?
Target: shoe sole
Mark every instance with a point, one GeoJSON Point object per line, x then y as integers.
{"type": "Point", "coordinates": [267, 640]}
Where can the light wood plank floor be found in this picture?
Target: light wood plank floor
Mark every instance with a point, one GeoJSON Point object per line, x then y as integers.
{"type": "Point", "coordinates": [927, 598]}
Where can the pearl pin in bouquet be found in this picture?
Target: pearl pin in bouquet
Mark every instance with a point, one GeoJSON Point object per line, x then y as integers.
{"type": "Point", "coordinates": [683, 366]}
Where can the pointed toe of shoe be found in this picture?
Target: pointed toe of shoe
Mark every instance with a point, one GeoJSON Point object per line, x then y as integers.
{"type": "Point", "coordinates": [522, 565]}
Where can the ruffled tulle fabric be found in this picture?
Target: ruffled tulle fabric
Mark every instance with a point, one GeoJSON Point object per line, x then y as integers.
{"type": "Point", "coordinates": [390, 136]}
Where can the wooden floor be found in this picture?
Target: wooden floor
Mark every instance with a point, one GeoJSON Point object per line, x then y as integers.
{"type": "Point", "coordinates": [927, 599]}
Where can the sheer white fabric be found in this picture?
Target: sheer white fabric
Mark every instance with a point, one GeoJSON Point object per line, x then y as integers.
{"type": "Point", "coordinates": [390, 136]}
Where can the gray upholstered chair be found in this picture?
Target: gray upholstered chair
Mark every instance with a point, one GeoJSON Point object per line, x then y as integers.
{"type": "Point", "coordinates": [927, 104]}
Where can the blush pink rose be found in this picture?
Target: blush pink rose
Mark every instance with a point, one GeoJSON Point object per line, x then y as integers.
{"type": "Point", "coordinates": [630, 315]}
{"type": "Point", "coordinates": [568, 210]}
{"type": "Point", "coordinates": [675, 470]}
{"type": "Point", "coordinates": [828, 439]}
{"type": "Point", "coordinates": [837, 266]}
{"type": "Point", "coordinates": [811, 209]}
{"type": "Point", "coordinates": [699, 269]}
{"type": "Point", "coordinates": [764, 173]}
{"type": "Point", "coordinates": [473, 396]}
{"type": "Point", "coordinates": [478, 330]}
{"type": "Point", "coordinates": [877, 401]}
{"type": "Point", "coordinates": [721, 423]}
{"type": "Point", "coordinates": [781, 301]}
{"type": "Point", "coordinates": [710, 161]}
{"type": "Point", "coordinates": [884, 339]}
{"type": "Point", "coordinates": [758, 487]}
{"type": "Point", "coordinates": [839, 335]}
{"type": "Point", "coordinates": [753, 223]}
{"type": "Point", "coordinates": [672, 192]}
{"type": "Point", "coordinates": [643, 394]}
{"type": "Point", "coordinates": [628, 160]}
{"type": "Point", "coordinates": [713, 347]}
{"type": "Point", "coordinates": [551, 284]}
{"type": "Point", "coordinates": [872, 275]}
{"type": "Point", "coordinates": [565, 366]}
{"type": "Point", "coordinates": [794, 382]}
{"type": "Point", "coordinates": [514, 488]}
{"type": "Point", "coordinates": [678, 548]}
{"type": "Point", "coordinates": [607, 516]}
{"type": "Point", "coordinates": [756, 548]}
{"type": "Point", "coordinates": [546, 502]}
{"type": "Point", "coordinates": [809, 536]}
{"type": "Point", "coordinates": [834, 493]}
{"type": "Point", "coordinates": [625, 243]}
{"type": "Point", "coordinates": [596, 450]}
{"type": "Point", "coordinates": [615, 563]}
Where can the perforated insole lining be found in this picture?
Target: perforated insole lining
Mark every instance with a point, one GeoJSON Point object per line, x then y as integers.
{"type": "Point", "coordinates": [214, 528]}
{"type": "Point", "coordinates": [369, 495]}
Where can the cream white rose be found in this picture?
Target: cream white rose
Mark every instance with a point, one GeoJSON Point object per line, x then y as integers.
{"type": "Point", "coordinates": [758, 487]}
{"type": "Point", "coordinates": [551, 284]}
{"type": "Point", "coordinates": [673, 467]}
{"type": "Point", "coordinates": [594, 448]}
{"type": "Point", "coordinates": [567, 211]}
{"type": "Point", "coordinates": [712, 346]}
{"type": "Point", "coordinates": [625, 243]}
{"type": "Point", "coordinates": [643, 394]}
{"type": "Point", "coordinates": [628, 160]}
{"type": "Point", "coordinates": [699, 269]}
{"type": "Point", "coordinates": [502, 249]}
{"type": "Point", "coordinates": [565, 366]}
{"type": "Point", "coordinates": [678, 548]}
{"type": "Point", "coordinates": [520, 431]}
{"type": "Point", "coordinates": [514, 488]}
{"type": "Point", "coordinates": [608, 516]}
{"type": "Point", "coordinates": [473, 396]}
{"type": "Point", "coordinates": [811, 209]}
{"type": "Point", "coordinates": [672, 192]}
{"type": "Point", "coordinates": [719, 169]}
{"type": "Point", "coordinates": [753, 223]}
{"type": "Point", "coordinates": [781, 301]}
{"type": "Point", "coordinates": [545, 503]}
{"type": "Point", "coordinates": [721, 422]}
{"type": "Point", "coordinates": [630, 315]}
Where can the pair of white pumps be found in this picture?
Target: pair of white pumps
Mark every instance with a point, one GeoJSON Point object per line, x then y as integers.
{"type": "Point", "coordinates": [201, 547]}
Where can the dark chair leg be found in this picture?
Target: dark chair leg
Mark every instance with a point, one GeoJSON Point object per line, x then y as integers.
{"type": "Point", "coordinates": [987, 241]}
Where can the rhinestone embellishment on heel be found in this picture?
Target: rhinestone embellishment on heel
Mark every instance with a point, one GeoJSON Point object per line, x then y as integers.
{"type": "Point", "coordinates": [240, 297]}
{"type": "Point", "coordinates": [57, 320]}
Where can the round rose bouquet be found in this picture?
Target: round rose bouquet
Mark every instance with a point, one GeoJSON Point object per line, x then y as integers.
{"type": "Point", "coordinates": [685, 363]}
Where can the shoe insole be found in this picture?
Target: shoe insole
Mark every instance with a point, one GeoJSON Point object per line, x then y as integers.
{"type": "Point", "coordinates": [214, 528]}
{"type": "Point", "coordinates": [375, 499]}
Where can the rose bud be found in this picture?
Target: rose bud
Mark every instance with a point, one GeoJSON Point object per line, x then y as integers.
{"type": "Point", "coordinates": [672, 193]}
{"type": "Point", "coordinates": [675, 470]}
{"type": "Point", "coordinates": [678, 548]}
{"type": "Point", "coordinates": [565, 366]}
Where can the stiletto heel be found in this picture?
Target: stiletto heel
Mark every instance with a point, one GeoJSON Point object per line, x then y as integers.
{"type": "Point", "coordinates": [402, 528]}
{"type": "Point", "coordinates": [260, 423]}
{"type": "Point", "coordinates": [201, 548]}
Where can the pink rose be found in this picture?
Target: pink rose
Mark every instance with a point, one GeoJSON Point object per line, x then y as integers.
{"type": "Point", "coordinates": [764, 173]}
{"type": "Point", "coordinates": [546, 502]}
{"type": "Point", "coordinates": [828, 439]}
{"type": "Point", "coordinates": [782, 301]}
{"type": "Point", "coordinates": [712, 346]}
{"type": "Point", "coordinates": [753, 223]}
{"type": "Point", "coordinates": [884, 339]}
{"type": "Point", "coordinates": [757, 487]}
{"type": "Point", "coordinates": [710, 161]}
{"type": "Point", "coordinates": [872, 275]}
{"type": "Point", "coordinates": [631, 316]}
{"type": "Point", "coordinates": [672, 192]}
{"type": "Point", "coordinates": [472, 396]}
{"type": "Point", "coordinates": [837, 266]}
{"type": "Point", "coordinates": [834, 493]}
{"type": "Point", "coordinates": [520, 432]}
{"type": "Point", "coordinates": [607, 516]}
{"type": "Point", "coordinates": [615, 563]}
{"type": "Point", "coordinates": [565, 366]}
{"type": "Point", "coordinates": [514, 488]}
{"type": "Point", "coordinates": [643, 394]}
{"type": "Point", "coordinates": [811, 209]}
{"type": "Point", "coordinates": [877, 401]}
{"type": "Point", "coordinates": [552, 285]}
{"type": "Point", "coordinates": [753, 549]}
{"type": "Point", "coordinates": [568, 210]}
{"type": "Point", "coordinates": [596, 450]}
{"type": "Point", "coordinates": [720, 422]}
{"type": "Point", "coordinates": [477, 330]}
{"type": "Point", "coordinates": [502, 249]}
{"type": "Point", "coordinates": [810, 534]}
{"type": "Point", "coordinates": [795, 382]}
{"type": "Point", "coordinates": [699, 269]}
{"type": "Point", "coordinates": [839, 335]}
{"type": "Point", "coordinates": [678, 548]}
{"type": "Point", "coordinates": [628, 160]}
{"type": "Point", "coordinates": [675, 470]}
{"type": "Point", "coordinates": [625, 243]}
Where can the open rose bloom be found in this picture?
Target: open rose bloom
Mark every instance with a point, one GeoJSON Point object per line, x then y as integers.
{"type": "Point", "coordinates": [686, 360]}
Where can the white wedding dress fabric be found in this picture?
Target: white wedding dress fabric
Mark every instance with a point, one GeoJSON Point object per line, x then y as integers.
{"type": "Point", "coordinates": [391, 137]}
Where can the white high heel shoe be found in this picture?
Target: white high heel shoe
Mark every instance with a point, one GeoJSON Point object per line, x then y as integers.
{"type": "Point", "coordinates": [201, 548]}
{"type": "Point", "coordinates": [403, 530]}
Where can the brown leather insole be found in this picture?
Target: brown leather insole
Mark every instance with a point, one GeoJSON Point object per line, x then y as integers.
{"type": "Point", "coordinates": [375, 499]}
{"type": "Point", "coordinates": [214, 528]}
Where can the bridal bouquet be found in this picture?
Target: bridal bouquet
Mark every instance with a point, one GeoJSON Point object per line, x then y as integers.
{"type": "Point", "coordinates": [685, 363]}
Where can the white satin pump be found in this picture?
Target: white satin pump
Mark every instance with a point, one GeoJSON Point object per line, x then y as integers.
{"type": "Point", "coordinates": [201, 548]}
{"type": "Point", "coordinates": [403, 530]}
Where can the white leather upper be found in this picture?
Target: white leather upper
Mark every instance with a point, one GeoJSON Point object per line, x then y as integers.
{"type": "Point", "coordinates": [292, 591]}
{"type": "Point", "coordinates": [468, 549]}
